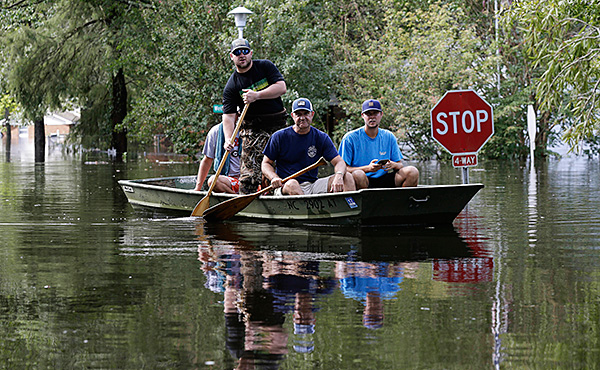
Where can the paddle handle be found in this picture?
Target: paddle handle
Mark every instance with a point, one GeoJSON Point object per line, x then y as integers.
{"type": "Point", "coordinates": [318, 163]}
{"type": "Point", "coordinates": [233, 136]}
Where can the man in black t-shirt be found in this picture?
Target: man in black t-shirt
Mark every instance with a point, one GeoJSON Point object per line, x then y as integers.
{"type": "Point", "coordinates": [260, 84]}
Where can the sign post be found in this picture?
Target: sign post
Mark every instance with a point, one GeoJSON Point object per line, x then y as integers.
{"type": "Point", "coordinates": [462, 122]}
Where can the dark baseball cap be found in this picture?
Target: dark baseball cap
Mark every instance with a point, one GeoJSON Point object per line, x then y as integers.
{"type": "Point", "coordinates": [302, 103]}
{"type": "Point", "coordinates": [371, 104]}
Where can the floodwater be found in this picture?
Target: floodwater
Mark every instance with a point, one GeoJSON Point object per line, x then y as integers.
{"type": "Point", "coordinates": [86, 282]}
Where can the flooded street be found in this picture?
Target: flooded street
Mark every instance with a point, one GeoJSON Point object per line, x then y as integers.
{"type": "Point", "coordinates": [88, 282]}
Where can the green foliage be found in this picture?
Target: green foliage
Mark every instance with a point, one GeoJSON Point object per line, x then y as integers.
{"type": "Point", "coordinates": [298, 41]}
{"type": "Point", "coordinates": [7, 105]}
{"type": "Point", "coordinates": [406, 53]}
{"type": "Point", "coordinates": [563, 38]}
{"type": "Point", "coordinates": [69, 56]}
{"type": "Point", "coordinates": [182, 65]}
{"type": "Point", "coordinates": [414, 58]}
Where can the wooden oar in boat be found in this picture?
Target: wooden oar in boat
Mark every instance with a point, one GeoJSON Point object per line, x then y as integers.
{"type": "Point", "coordinates": [204, 203]}
{"type": "Point", "coordinates": [229, 208]}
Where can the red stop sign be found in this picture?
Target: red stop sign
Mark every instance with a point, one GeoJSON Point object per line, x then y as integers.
{"type": "Point", "coordinates": [462, 121]}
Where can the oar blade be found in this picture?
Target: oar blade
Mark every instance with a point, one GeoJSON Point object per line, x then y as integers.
{"type": "Point", "coordinates": [202, 206]}
{"type": "Point", "coordinates": [228, 209]}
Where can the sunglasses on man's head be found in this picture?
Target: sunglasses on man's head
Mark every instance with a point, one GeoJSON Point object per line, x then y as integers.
{"type": "Point", "coordinates": [237, 52]}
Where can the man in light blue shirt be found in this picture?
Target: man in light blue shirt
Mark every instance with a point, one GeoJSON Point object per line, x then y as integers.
{"type": "Point", "coordinates": [372, 153]}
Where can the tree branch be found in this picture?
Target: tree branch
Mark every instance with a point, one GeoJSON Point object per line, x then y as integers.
{"type": "Point", "coordinates": [20, 3]}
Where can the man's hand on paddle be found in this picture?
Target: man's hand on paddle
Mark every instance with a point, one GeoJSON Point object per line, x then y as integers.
{"type": "Point", "coordinates": [276, 182]}
{"type": "Point", "coordinates": [250, 96]}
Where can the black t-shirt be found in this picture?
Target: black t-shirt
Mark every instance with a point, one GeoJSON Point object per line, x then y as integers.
{"type": "Point", "coordinates": [262, 74]}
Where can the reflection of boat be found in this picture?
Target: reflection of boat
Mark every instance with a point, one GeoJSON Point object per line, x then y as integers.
{"type": "Point", "coordinates": [366, 244]}
{"type": "Point", "coordinates": [423, 205]}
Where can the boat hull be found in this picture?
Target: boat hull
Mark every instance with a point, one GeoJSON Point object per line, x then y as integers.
{"type": "Point", "coordinates": [422, 205]}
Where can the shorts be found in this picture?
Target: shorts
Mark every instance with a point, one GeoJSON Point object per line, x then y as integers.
{"type": "Point", "coordinates": [387, 180]}
{"type": "Point", "coordinates": [255, 134]}
{"type": "Point", "coordinates": [317, 187]}
{"type": "Point", "coordinates": [235, 183]}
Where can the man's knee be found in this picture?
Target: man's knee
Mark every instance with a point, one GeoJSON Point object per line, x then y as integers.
{"type": "Point", "coordinates": [292, 187]}
{"type": "Point", "coordinates": [361, 180]}
{"type": "Point", "coordinates": [349, 182]}
{"type": "Point", "coordinates": [407, 176]}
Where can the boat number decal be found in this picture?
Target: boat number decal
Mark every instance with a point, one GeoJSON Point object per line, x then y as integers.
{"type": "Point", "coordinates": [313, 204]}
{"type": "Point", "coordinates": [128, 189]}
{"type": "Point", "coordinates": [351, 203]}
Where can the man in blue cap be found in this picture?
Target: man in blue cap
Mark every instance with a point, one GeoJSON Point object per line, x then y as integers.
{"type": "Point", "coordinates": [260, 84]}
{"type": "Point", "coordinates": [296, 147]}
{"type": "Point", "coordinates": [372, 153]}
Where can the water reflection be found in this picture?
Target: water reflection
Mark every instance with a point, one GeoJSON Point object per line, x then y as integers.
{"type": "Point", "coordinates": [532, 204]}
{"type": "Point", "coordinates": [87, 282]}
{"type": "Point", "coordinates": [268, 273]}
{"type": "Point", "coordinates": [259, 289]}
{"type": "Point", "coordinates": [370, 283]}
{"type": "Point", "coordinates": [388, 243]}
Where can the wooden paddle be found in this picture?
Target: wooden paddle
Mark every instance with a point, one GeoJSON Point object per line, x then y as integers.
{"type": "Point", "coordinates": [229, 208]}
{"type": "Point", "coordinates": [204, 203]}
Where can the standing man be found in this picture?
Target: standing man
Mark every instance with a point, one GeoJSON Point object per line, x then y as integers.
{"type": "Point", "coordinates": [296, 147]}
{"type": "Point", "coordinates": [372, 153]}
{"type": "Point", "coordinates": [213, 154]}
{"type": "Point", "coordinates": [260, 84]}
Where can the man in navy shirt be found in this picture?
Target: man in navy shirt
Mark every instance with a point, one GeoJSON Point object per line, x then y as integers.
{"type": "Point", "coordinates": [293, 148]}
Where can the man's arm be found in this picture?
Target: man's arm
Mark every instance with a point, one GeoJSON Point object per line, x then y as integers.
{"type": "Point", "coordinates": [268, 169]}
{"type": "Point", "coordinates": [337, 184]}
{"type": "Point", "coordinates": [271, 92]}
{"type": "Point", "coordinates": [228, 127]}
{"type": "Point", "coordinates": [205, 165]}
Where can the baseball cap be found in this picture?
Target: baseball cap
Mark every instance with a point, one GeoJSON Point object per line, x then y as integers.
{"type": "Point", "coordinates": [371, 104]}
{"type": "Point", "coordinates": [240, 44]}
{"type": "Point", "coordinates": [301, 103]}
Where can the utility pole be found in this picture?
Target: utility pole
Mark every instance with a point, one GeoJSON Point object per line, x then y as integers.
{"type": "Point", "coordinates": [497, 44]}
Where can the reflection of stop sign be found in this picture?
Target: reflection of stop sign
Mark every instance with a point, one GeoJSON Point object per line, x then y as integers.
{"type": "Point", "coordinates": [462, 122]}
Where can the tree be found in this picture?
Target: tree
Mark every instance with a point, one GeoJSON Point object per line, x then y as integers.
{"type": "Point", "coordinates": [563, 39]}
{"type": "Point", "coordinates": [181, 66]}
{"type": "Point", "coordinates": [29, 93]}
{"type": "Point", "coordinates": [8, 106]}
{"type": "Point", "coordinates": [74, 52]}
{"type": "Point", "coordinates": [407, 54]}
{"type": "Point", "coordinates": [146, 67]}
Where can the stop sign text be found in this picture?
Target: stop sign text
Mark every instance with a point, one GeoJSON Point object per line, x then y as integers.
{"type": "Point", "coordinates": [462, 122]}
{"type": "Point", "coordinates": [468, 120]}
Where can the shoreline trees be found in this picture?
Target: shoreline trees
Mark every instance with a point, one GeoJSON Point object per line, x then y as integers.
{"type": "Point", "coordinates": [143, 67]}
